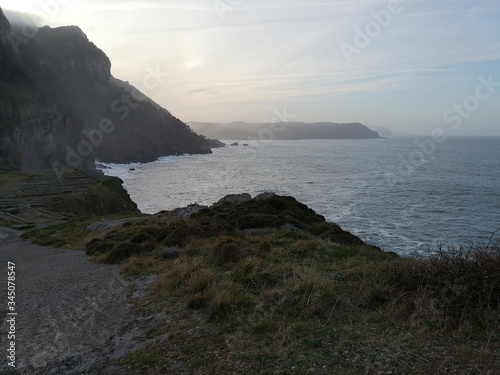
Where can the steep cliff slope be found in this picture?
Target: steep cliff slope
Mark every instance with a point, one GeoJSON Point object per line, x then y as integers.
{"type": "Point", "coordinates": [60, 107]}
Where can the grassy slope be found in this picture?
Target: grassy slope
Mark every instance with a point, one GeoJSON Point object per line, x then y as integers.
{"type": "Point", "coordinates": [270, 287]}
{"type": "Point", "coordinates": [105, 199]}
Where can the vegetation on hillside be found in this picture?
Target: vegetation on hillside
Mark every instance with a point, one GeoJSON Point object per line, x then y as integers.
{"type": "Point", "coordinates": [106, 197]}
{"type": "Point", "coordinates": [75, 200]}
{"type": "Point", "coordinates": [268, 286]}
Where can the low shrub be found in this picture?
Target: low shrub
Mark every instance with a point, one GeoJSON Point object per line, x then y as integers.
{"type": "Point", "coordinates": [141, 237]}
{"type": "Point", "coordinates": [97, 246]}
{"type": "Point", "coordinates": [123, 251]}
{"type": "Point", "coordinates": [462, 283]}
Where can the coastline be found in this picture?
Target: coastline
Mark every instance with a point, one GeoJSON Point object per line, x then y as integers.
{"type": "Point", "coordinates": [265, 284]}
{"type": "Point", "coordinates": [345, 182]}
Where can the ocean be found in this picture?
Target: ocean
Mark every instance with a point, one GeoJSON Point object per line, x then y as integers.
{"type": "Point", "coordinates": [403, 194]}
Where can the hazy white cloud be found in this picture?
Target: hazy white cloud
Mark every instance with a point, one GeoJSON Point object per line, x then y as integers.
{"type": "Point", "coordinates": [258, 54]}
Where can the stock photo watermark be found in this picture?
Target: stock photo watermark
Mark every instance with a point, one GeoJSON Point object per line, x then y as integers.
{"type": "Point", "coordinates": [363, 37]}
{"type": "Point", "coordinates": [122, 108]}
{"type": "Point", "coordinates": [455, 115]}
{"type": "Point", "coordinates": [222, 7]}
{"type": "Point", "coordinates": [91, 138]}
{"type": "Point", "coordinates": [461, 111]}
{"type": "Point", "coordinates": [259, 141]}
{"type": "Point", "coordinates": [277, 125]}
{"type": "Point", "coordinates": [48, 9]}
{"type": "Point", "coordinates": [11, 314]}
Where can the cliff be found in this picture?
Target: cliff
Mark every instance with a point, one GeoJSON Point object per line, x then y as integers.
{"type": "Point", "coordinates": [60, 107]}
{"type": "Point", "coordinates": [284, 131]}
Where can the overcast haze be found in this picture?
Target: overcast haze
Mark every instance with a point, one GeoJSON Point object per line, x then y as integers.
{"type": "Point", "coordinates": [223, 62]}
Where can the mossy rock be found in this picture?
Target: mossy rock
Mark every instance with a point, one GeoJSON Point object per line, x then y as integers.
{"type": "Point", "coordinates": [269, 213]}
{"type": "Point", "coordinates": [291, 219]}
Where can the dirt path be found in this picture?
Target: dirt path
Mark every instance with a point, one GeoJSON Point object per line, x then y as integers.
{"type": "Point", "coordinates": [68, 308]}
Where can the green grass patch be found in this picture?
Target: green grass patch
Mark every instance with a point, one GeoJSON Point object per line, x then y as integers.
{"type": "Point", "coordinates": [70, 234]}
{"type": "Point", "coordinates": [267, 287]}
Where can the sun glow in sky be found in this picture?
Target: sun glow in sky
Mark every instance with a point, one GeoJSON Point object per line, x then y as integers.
{"type": "Point", "coordinates": [400, 64]}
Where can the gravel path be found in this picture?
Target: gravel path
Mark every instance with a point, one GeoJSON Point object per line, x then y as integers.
{"type": "Point", "coordinates": [67, 307]}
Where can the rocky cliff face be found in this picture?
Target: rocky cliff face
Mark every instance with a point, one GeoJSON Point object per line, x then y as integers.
{"type": "Point", "coordinates": [4, 27]}
{"type": "Point", "coordinates": [60, 107]}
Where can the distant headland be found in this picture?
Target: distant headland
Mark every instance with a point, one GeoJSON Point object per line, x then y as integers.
{"type": "Point", "coordinates": [283, 130]}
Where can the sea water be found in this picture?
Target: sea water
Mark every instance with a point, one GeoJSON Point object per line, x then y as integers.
{"type": "Point", "coordinates": [402, 194]}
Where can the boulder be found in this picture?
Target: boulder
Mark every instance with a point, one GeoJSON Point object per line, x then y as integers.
{"type": "Point", "coordinates": [235, 198]}
{"type": "Point", "coordinates": [264, 196]}
{"type": "Point", "coordinates": [186, 212]}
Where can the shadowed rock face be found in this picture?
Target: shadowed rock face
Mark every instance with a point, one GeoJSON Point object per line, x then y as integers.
{"type": "Point", "coordinates": [4, 25]}
{"type": "Point", "coordinates": [60, 107]}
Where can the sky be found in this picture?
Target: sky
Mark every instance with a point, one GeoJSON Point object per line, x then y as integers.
{"type": "Point", "coordinates": [411, 65]}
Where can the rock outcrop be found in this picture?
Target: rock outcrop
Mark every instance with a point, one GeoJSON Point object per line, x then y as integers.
{"type": "Point", "coordinates": [233, 216]}
{"type": "Point", "coordinates": [61, 108]}
{"type": "Point", "coordinates": [235, 198]}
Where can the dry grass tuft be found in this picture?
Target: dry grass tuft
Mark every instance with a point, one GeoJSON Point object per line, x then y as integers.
{"type": "Point", "coordinates": [227, 251]}
{"type": "Point", "coordinates": [455, 287]}
{"type": "Point", "coordinates": [270, 286]}
{"type": "Point", "coordinates": [265, 246]}
{"type": "Point", "coordinates": [139, 266]}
